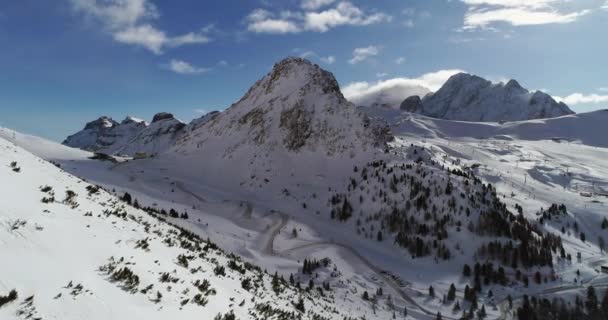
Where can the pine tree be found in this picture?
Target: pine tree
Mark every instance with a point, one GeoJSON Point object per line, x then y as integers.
{"type": "Point", "coordinates": [604, 304]}
{"type": "Point", "coordinates": [365, 296]}
{"type": "Point", "coordinates": [482, 313]}
{"type": "Point", "coordinates": [591, 303]}
{"type": "Point", "coordinates": [452, 293]}
{"type": "Point", "coordinates": [300, 305]}
{"type": "Point", "coordinates": [276, 285]}
{"type": "Point", "coordinates": [127, 198]}
{"type": "Point", "coordinates": [431, 292]}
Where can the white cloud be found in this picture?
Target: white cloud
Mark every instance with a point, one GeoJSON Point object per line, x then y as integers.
{"type": "Point", "coordinates": [393, 91]}
{"type": "Point", "coordinates": [328, 59]}
{"type": "Point", "coordinates": [362, 54]}
{"type": "Point", "coordinates": [315, 4]}
{"type": "Point", "coordinates": [484, 13]}
{"type": "Point", "coordinates": [605, 6]}
{"type": "Point", "coordinates": [381, 75]}
{"type": "Point", "coordinates": [183, 67]}
{"type": "Point", "coordinates": [400, 60]}
{"type": "Point", "coordinates": [579, 98]}
{"type": "Point", "coordinates": [155, 40]}
{"type": "Point", "coordinates": [344, 13]}
{"type": "Point", "coordinates": [604, 89]}
{"type": "Point", "coordinates": [128, 22]}
{"type": "Point", "coordinates": [263, 21]}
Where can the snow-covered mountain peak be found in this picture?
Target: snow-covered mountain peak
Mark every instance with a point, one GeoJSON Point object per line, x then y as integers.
{"type": "Point", "coordinates": [296, 106]}
{"type": "Point", "coordinates": [130, 119]}
{"type": "Point", "coordinates": [129, 137]}
{"type": "Point", "coordinates": [293, 76]}
{"type": "Point", "coordinates": [468, 97]}
{"type": "Point", "coordinates": [101, 123]}
{"type": "Point", "coordinates": [466, 79]}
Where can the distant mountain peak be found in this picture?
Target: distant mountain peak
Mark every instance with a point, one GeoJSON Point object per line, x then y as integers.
{"type": "Point", "coordinates": [513, 84]}
{"type": "Point", "coordinates": [102, 122]}
{"type": "Point", "coordinates": [130, 119]}
{"type": "Point", "coordinates": [162, 116]}
{"type": "Point", "coordinates": [468, 97]}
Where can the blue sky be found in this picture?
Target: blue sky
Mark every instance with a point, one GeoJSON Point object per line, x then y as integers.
{"type": "Point", "coordinates": [65, 62]}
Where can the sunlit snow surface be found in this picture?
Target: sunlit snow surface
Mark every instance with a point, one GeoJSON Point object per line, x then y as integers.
{"type": "Point", "coordinates": [532, 163]}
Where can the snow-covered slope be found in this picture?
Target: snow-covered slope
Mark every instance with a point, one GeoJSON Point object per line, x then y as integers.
{"type": "Point", "coordinates": [586, 128]}
{"type": "Point", "coordinates": [73, 251]}
{"type": "Point", "coordinates": [471, 98]}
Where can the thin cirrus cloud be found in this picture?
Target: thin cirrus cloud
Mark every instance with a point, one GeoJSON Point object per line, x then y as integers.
{"type": "Point", "coordinates": [362, 54]}
{"type": "Point", "coordinates": [311, 19]}
{"type": "Point", "coordinates": [128, 21]}
{"type": "Point", "coordinates": [485, 13]}
{"type": "Point", "coordinates": [313, 55]}
{"type": "Point", "coordinates": [183, 67]}
{"type": "Point", "coordinates": [393, 91]}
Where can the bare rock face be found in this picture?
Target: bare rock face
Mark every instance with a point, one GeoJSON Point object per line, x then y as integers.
{"type": "Point", "coordinates": [162, 116]}
{"type": "Point", "coordinates": [297, 123]}
{"type": "Point", "coordinates": [95, 135]}
{"type": "Point", "coordinates": [411, 104]}
{"type": "Point", "coordinates": [101, 124]}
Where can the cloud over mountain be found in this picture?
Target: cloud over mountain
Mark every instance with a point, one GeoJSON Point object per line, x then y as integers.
{"type": "Point", "coordinates": [392, 92]}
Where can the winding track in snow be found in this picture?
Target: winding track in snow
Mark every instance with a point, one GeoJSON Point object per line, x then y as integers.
{"type": "Point", "coordinates": [180, 186]}
{"type": "Point", "coordinates": [381, 273]}
{"type": "Point", "coordinates": [273, 232]}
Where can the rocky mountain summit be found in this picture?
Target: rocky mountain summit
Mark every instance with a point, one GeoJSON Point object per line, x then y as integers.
{"type": "Point", "coordinates": [296, 107]}
{"type": "Point", "coordinates": [467, 97]}
{"type": "Point", "coordinates": [128, 137]}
